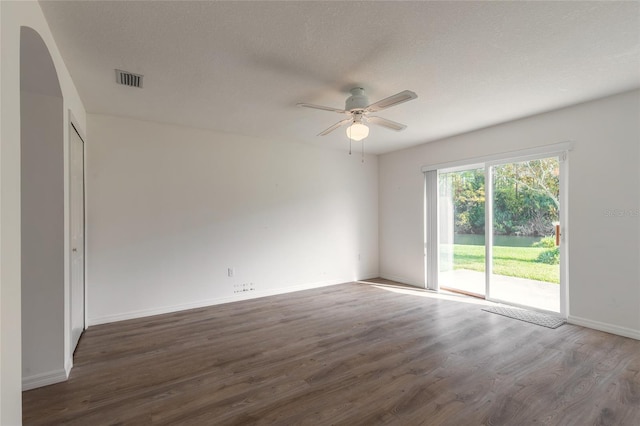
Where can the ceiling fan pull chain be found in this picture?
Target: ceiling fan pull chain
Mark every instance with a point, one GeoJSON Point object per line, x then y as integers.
{"type": "Point", "coordinates": [349, 145]}
{"type": "Point", "coordinates": [363, 150]}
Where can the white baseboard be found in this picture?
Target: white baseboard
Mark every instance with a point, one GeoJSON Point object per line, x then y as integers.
{"type": "Point", "coordinates": [68, 365]}
{"type": "Point", "coordinates": [370, 276]}
{"type": "Point", "coordinates": [211, 302]}
{"type": "Point", "coordinates": [44, 379]}
{"type": "Point", "coordinates": [402, 280]}
{"type": "Point", "coordinates": [603, 326]}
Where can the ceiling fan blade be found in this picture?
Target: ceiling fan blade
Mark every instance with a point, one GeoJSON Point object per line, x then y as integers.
{"type": "Point", "coordinates": [393, 100]}
{"type": "Point", "coordinates": [386, 123]}
{"type": "Point", "coordinates": [324, 108]}
{"type": "Point", "coordinates": [335, 126]}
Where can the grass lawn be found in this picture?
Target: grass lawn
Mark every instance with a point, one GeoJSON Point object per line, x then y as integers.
{"type": "Point", "coordinates": [510, 261]}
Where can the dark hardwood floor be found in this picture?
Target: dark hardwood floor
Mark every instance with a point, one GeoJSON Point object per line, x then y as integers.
{"type": "Point", "coordinates": [352, 354]}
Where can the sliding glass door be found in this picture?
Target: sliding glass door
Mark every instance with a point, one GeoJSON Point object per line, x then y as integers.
{"type": "Point", "coordinates": [461, 230]}
{"type": "Point", "coordinates": [498, 231]}
{"type": "Point", "coordinates": [525, 253]}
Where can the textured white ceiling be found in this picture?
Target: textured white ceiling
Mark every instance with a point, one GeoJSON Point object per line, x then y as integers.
{"type": "Point", "coordinates": [241, 66]}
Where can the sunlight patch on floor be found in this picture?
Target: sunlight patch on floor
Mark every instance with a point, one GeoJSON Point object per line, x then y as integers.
{"type": "Point", "coordinates": [429, 294]}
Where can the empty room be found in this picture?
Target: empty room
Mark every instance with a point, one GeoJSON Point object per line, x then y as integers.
{"type": "Point", "coordinates": [320, 212]}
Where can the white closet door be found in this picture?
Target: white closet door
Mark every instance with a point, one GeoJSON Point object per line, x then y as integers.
{"type": "Point", "coordinates": [77, 237]}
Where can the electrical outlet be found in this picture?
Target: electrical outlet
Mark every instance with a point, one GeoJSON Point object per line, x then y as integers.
{"type": "Point", "coordinates": [241, 288]}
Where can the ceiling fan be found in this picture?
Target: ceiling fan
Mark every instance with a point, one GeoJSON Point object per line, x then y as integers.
{"type": "Point", "coordinates": [357, 107]}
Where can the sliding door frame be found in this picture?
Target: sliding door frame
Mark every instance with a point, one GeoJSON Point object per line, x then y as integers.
{"type": "Point", "coordinates": [431, 208]}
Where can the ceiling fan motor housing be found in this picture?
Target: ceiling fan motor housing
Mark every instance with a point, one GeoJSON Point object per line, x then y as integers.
{"type": "Point", "coordinates": [357, 100]}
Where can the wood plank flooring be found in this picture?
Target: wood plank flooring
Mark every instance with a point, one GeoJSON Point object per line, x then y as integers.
{"type": "Point", "coordinates": [351, 354]}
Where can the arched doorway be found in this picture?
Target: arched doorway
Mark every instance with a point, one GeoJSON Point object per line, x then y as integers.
{"type": "Point", "coordinates": [42, 214]}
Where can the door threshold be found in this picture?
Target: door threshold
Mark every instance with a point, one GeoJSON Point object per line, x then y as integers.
{"type": "Point", "coordinates": [462, 292]}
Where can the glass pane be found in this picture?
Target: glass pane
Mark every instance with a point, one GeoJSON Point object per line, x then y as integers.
{"type": "Point", "coordinates": [526, 260]}
{"type": "Point", "coordinates": [461, 230]}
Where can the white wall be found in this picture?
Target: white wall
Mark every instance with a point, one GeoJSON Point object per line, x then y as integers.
{"type": "Point", "coordinates": [171, 208]}
{"type": "Point", "coordinates": [42, 180]}
{"type": "Point", "coordinates": [13, 15]}
{"type": "Point", "coordinates": [604, 287]}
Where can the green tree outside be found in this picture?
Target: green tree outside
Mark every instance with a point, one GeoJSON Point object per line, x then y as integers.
{"type": "Point", "coordinates": [525, 203]}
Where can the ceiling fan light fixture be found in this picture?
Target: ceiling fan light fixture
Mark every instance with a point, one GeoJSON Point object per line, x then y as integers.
{"type": "Point", "coordinates": [357, 108]}
{"type": "Point", "coordinates": [357, 131]}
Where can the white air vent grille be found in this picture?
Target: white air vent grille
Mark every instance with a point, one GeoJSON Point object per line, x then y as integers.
{"type": "Point", "coordinates": [128, 78]}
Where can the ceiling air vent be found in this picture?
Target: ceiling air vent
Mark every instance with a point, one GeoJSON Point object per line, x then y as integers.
{"type": "Point", "coordinates": [128, 78]}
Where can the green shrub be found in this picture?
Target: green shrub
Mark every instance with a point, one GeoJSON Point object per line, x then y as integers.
{"type": "Point", "coordinates": [550, 257]}
{"type": "Point", "coordinates": [546, 242]}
